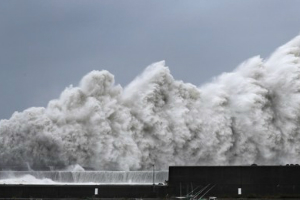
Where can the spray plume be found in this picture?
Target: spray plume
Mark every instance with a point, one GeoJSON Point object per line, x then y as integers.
{"type": "Point", "coordinates": [251, 115]}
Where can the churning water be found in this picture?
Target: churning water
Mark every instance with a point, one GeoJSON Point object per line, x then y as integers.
{"type": "Point", "coordinates": [86, 177]}
{"type": "Point", "coordinates": [250, 115]}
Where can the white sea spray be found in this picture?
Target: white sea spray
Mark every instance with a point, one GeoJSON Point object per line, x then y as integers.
{"type": "Point", "coordinates": [251, 115]}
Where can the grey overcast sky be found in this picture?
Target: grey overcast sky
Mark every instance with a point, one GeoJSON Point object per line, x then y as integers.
{"type": "Point", "coordinates": [48, 45]}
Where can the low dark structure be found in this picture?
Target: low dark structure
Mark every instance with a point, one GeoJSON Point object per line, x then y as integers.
{"type": "Point", "coordinates": [238, 181]}
{"type": "Point", "coordinates": [227, 181]}
{"type": "Point", "coordinates": [81, 191]}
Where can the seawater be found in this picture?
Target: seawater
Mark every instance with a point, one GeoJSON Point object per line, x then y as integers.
{"type": "Point", "coordinates": [85, 177]}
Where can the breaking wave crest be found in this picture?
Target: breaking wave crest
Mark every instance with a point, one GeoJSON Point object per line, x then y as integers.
{"type": "Point", "coordinates": [251, 115]}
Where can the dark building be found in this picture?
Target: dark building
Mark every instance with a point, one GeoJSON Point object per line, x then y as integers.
{"type": "Point", "coordinates": [225, 181]}
{"type": "Point", "coordinates": [237, 181]}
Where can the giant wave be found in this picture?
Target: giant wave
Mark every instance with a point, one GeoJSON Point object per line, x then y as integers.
{"type": "Point", "coordinates": [251, 115]}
